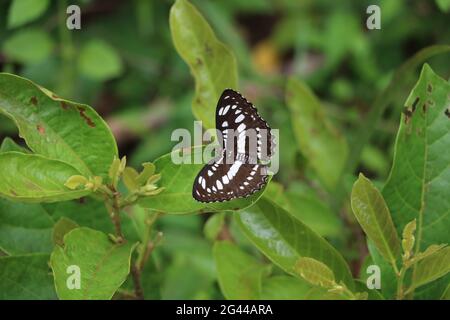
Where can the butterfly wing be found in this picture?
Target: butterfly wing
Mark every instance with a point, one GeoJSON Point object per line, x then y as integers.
{"type": "Point", "coordinates": [219, 181]}
{"type": "Point", "coordinates": [234, 114]}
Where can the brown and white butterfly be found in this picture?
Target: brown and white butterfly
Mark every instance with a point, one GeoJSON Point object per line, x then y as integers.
{"type": "Point", "coordinates": [247, 144]}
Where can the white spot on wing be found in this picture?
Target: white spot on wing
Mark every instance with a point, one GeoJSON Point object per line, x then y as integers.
{"type": "Point", "coordinates": [219, 185]}
{"type": "Point", "coordinates": [225, 124]}
{"type": "Point", "coordinates": [239, 118]}
{"type": "Point", "coordinates": [226, 110]}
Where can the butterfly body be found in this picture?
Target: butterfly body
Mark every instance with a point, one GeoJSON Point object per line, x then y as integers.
{"type": "Point", "coordinates": [239, 170]}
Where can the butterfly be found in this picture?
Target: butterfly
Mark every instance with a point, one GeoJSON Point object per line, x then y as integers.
{"type": "Point", "coordinates": [247, 144]}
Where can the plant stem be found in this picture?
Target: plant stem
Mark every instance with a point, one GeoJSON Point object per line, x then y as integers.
{"type": "Point", "coordinates": [136, 274]}
{"type": "Point", "coordinates": [401, 277]}
{"type": "Point", "coordinates": [114, 212]}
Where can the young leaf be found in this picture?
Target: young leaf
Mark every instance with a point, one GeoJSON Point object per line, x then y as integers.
{"type": "Point", "coordinates": [419, 180]}
{"type": "Point", "coordinates": [147, 172]}
{"type": "Point", "coordinates": [24, 11]}
{"type": "Point", "coordinates": [177, 179]}
{"type": "Point", "coordinates": [76, 181]}
{"type": "Point", "coordinates": [431, 268]}
{"type": "Point", "coordinates": [408, 239]}
{"type": "Point", "coordinates": [33, 178]}
{"type": "Point", "coordinates": [130, 176]}
{"type": "Point", "coordinates": [26, 277]}
{"type": "Point", "coordinates": [24, 228]}
{"type": "Point", "coordinates": [374, 217]}
{"type": "Point", "coordinates": [315, 272]}
{"type": "Point", "coordinates": [239, 274]}
{"type": "Point", "coordinates": [62, 226]}
{"type": "Point", "coordinates": [284, 239]}
{"type": "Point", "coordinates": [212, 64]}
{"type": "Point", "coordinates": [318, 140]}
{"type": "Point", "coordinates": [57, 128]}
{"type": "Point", "coordinates": [103, 265]}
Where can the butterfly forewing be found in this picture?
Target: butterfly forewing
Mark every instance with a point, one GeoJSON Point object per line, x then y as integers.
{"type": "Point", "coordinates": [242, 128]}
{"type": "Point", "coordinates": [219, 181]}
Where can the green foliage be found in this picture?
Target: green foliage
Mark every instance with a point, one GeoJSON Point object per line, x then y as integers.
{"type": "Point", "coordinates": [212, 64]}
{"type": "Point", "coordinates": [103, 265]}
{"type": "Point", "coordinates": [26, 277]}
{"type": "Point", "coordinates": [99, 61]}
{"type": "Point", "coordinates": [24, 11]}
{"type": "Point", "coordinates": [29, 46]}
{"type": "Point", "coordinates": [239, 274]}
{"type": "Point", "coordinates": [322, 145]}
{"type": "Point", "coordinates": [374, 217]}
{"type": "Point", "coordinates": [130, 223]}
{"type": "Point", "coordinates": [84, 141]}
{"type": "Point", "coordinates": [284, 239]}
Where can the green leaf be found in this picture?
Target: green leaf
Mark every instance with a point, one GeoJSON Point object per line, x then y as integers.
{"type": "Point", "coordinates": [178, 179]}
{"type": "Point", "coordinates": [26, 277]}
{"type": "Point", "coordinates": [212, 64]}
{"type": "Point", "coordinates": [431, 268]}
{"type": "Point", "coordinates": [24, 11]}
{"type": "Point", "coordinates": [318, 140]}
{"type": "Point", "coordinates": [24, 228]}
{"type": "Point", "coordinates": [103, 265]}
{"type": "Point", "coordinates": [315, 272]}
{"type": "Point", "coordinates": [147, 172]}
{"type": "Point", "coordinates": [444, 5]}
{"type": "Point", "coordinates": [99, 61]}
{"type": "Point", "coordinates": [284, 288]}
{"type": "Point", "coordinates": [9, 144]}
{"type": "Point", "coordinates": [375, 219]}
{"type": "Point", "coordinates": [34, 178]}
{"type": "Point", "coordinates": [28, 46]}
{"type": "Point", "coordinates": [284, 239]}
{"type": "Point", "coordinates": [434, 248]}
{"type": "Point", "coordinates": [130, 176]}
{"type": "Point", "coordinates": [239, 274]}
{"type": "Point", "coordinates": [419, 181]}
{"type": "Point", "coordinates": [214, 225]}
{"type": "Point", "coordinates": [306, 206]}
{"type": "Point", "coordinates": [57, 128]}
{"type": "Point", "coordinates": [62, 226]}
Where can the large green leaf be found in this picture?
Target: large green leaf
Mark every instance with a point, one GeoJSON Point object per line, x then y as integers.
{"type": "Point", "coordinates": [34, 178]}
{"type": "Point", "coordinates": [212, 64]}
{"type": "Point", "coordinates": [24, 228]}
{"type": "Point", "coordinates": [57, 128]}
{"type": "Point", "coordinates": [419, 181]}
{"type": "Point", "coordinates": [319, 141]}
{"type": "Point", "coordinates": [26, 277]}
{"type": "Point", "coordinates": [178, 179]}
{"type": "Point", "coordinates": [374, 217]}
{"type": "Point", "coordinates": [24, 11]}
{"type": "Point", "coordinates": [239, 274]}
{"type": "Point", "coordinates": [103, 265]}
{"type": "Point", "coordinates": [284, 239]}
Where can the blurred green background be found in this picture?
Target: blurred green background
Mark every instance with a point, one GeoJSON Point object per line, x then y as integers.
{"type": "Point", "coordinates": [123, 63]}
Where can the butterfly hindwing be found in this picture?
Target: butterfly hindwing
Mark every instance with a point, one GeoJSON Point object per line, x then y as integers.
{"type": "Point", "coordinates": [219, 181]}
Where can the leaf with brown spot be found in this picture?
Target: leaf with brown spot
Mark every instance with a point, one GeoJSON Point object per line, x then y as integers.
{"type": "Point", "coordinates": [88, 148]}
